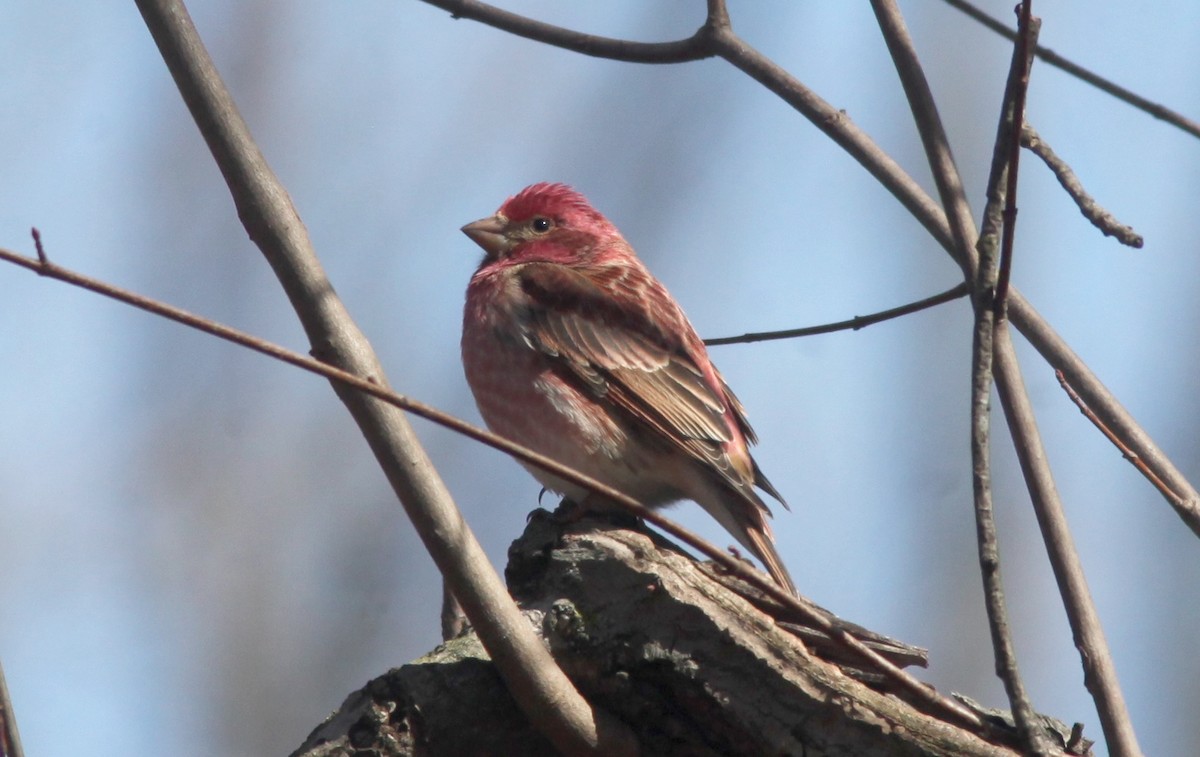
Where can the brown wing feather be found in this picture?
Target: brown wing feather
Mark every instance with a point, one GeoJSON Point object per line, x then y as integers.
{"type": "Point", "coordinates": [621, 354]}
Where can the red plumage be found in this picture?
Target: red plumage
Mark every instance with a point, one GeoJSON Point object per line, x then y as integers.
{"type": "Point", "coordinates": [572, 348]}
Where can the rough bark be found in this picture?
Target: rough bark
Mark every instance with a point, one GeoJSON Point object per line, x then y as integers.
{"type": "Point", "coordinates": [689, 658]}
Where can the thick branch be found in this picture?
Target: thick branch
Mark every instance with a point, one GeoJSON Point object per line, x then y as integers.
{"type": "Point", "coordinates": [268, 215]}
{"type": "Point", "coordinates": [611, 602]}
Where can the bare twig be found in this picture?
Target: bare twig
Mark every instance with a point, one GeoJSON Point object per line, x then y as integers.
{"type": "Point", "coordinates": [1022, 61]}
{"type": "Point", "coordinates": [1099, 673]}
{"type": "Point", "coordinates": [694, 47]}
{"type": "Point", "coordinates": [811, 615]}
{"type": "Point", "coordinates": [1022, 314]}
{"type": "Point", "coordinates": [933, 134]}
{"type": "Point", "coordinates": [1003, 649]}
{"type": "Point", "coordinates": [837, 126]}
{"type": "Point", "coordinates": [10, 739]}
{"type": "Point", "coordinates": [1054, 59]}
{"type": "Point", "coordinates": [921, 103]}
{"type": "Point", "coordinates": [949, 183]}
{"type": "Point", "coordinates": [1099, 217]}
{"type": "Point", "coordinates": [855, 323]}
{"type": "Point", "coordinates": [1127, 453]}
{"type": "Point", "coordinates": [1054, 349]}
{"type": "Point", "coordinates": [541, 689]}
{"type": "Point", "coordinates": [1048, 343]}
{"type": "Point", "coordinates": [995, 237]}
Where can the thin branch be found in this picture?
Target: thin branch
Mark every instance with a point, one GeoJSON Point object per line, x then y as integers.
{"type": "Point", "coordinates": [539, 686]}
{"type": "Point", "coordinates": [1055, 350]}
{"type": "Point", "coordinates": [1021, 313]}
{"type": "Point", "coordinates": [1126, 452]}
{"type": "Point", "coordinates": [933, 134]}
{"type": "Point", "coordinates": [1099, 672]}
{"type": "Point", "coordinates": [1054, 59]}
{"type": "Point", "coordinates": [678, 51]}
{"type": "Point", "coordinates": [1003, 649]}
{"type": "Point", "coordinates": [994, 238]}
{"type": "Point", "coordinates": [837, 125]}
{"type": "Point", "coordinates": [855, 323]}
{"type": "Point", "coordinates": [805, 610]}
{"type": "Point", "coordinates": [10, 739]}
{"type": "Point", "coordinates": [949, 182]}
{"type": "Point", "coordinates": [1029, 28]}
{"type": "Point", "coordinates": [926, 117]}
{"type": "Point", "coordinates": [1092, 210]}
{"type": "Point", "coordinates": [1048, 343]}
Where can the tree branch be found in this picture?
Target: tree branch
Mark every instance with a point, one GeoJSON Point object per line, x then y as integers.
{"type": "Point", "coordinates": [797, 606]}
{"type": "Point", "coordinates": [610, 601]}
{"type": "Point", "coordinates": [1110, 705]}
{"type": "Point", "coordinates": [986, 296]}
{"type": "Point", "coordinates": [543, 691]}
{"type": "Point", "coordinates": [1054, 59]}
{"type": "Point", "coordinates": [838, 127]}
{"type": "Point", "coordinates": [1055, 350]}
{"type": "Point", "coordinates": [1099, 672]}
{"type": "Point", "coordinates": [1127, 453]}
{"type": "Point", "coordinates": [1099, 217]}
{"type": "Point", "coordinates": [933, 134]}
{"type": "Point", "coordinates": [1013, 121]}
{"type": "Point", "coordinates": [10, 739]}
{"type": "Point", "coordinates": [855, 323]}
{"type": "Point", "coordinates": [995, 235]}
{"type": "Point", "coordinates": [694, 47]}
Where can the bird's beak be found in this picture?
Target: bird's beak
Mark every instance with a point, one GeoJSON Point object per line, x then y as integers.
{"type": "Point", "coordinates": [488, 233]}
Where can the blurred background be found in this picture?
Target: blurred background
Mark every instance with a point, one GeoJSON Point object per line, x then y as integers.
{"type": "Point", "coordinates": [198, 554]}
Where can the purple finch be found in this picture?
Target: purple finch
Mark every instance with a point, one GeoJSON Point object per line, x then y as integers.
{"type": "Point", "coordinates": [573, 349]}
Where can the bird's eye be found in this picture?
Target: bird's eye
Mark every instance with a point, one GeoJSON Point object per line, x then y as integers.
{"type": "Point", "coordinates": [541, 225]}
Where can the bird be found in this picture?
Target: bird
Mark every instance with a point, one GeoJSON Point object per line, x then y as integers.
{"type": "Point", "coordinates": [572, 348]}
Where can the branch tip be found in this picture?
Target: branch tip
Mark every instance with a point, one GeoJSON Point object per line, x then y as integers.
{"type": "Point", "coordinates": [1125, 450]}
{"type": "Point", "coordinates": [1091, 210]}
{"type": "Point", "coordinates": [37, 245]}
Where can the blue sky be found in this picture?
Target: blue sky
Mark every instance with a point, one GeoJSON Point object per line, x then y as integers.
{"type": "Point", "coordinates": [197, 554]}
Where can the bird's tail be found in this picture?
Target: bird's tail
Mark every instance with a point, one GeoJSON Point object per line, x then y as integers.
{"type": "Point", "coordinates": [744, 516]}
{"type": "Point", "coordinates": [760, 541]}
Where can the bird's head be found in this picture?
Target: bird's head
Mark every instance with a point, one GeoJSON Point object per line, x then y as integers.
{"type": "Point", "coordinates": [544, 221]}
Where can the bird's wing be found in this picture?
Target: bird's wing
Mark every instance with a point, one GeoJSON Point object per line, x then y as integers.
{"type": "Point", "coordinates": [602, 325]}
